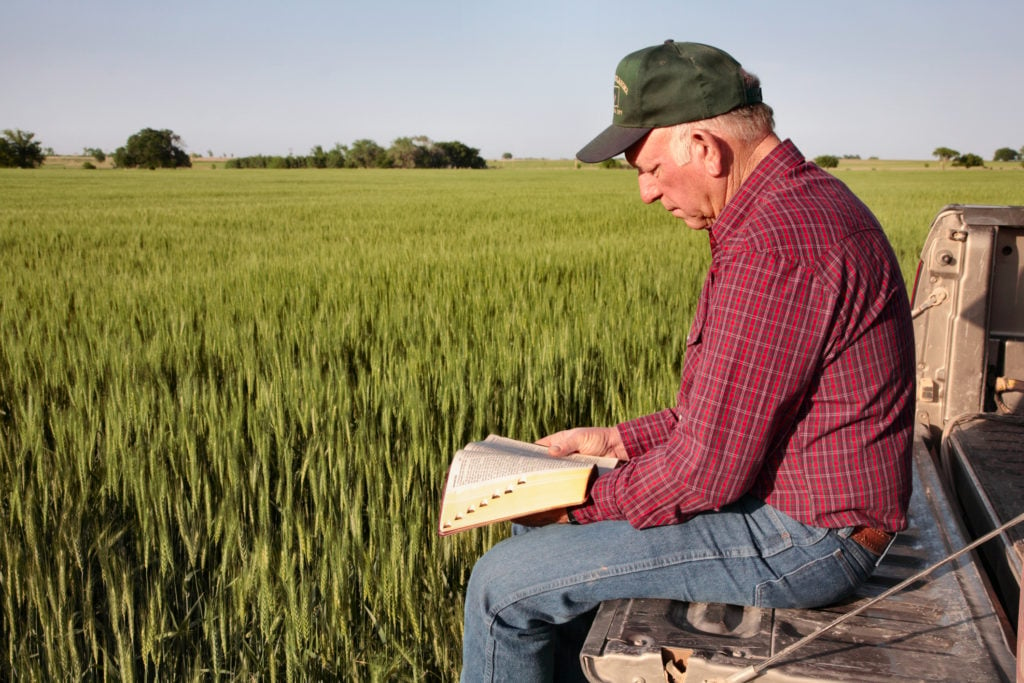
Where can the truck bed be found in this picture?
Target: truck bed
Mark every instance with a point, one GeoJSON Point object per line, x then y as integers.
{"type": "Point", "coordinates": [938, 629]}
{"type": "Point", "coordinates": [983, 456]}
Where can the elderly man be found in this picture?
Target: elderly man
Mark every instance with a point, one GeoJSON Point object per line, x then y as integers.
{"type": "Point", "coordinates": [783, 470]}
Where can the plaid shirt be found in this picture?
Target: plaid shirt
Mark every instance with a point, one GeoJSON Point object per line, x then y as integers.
{"type": "Point", "coordinates": [798, 382]}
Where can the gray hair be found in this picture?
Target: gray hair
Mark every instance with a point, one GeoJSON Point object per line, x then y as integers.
{"type": "Point", "coordinates": [747, 125]}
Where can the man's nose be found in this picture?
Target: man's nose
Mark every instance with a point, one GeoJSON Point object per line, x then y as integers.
{"type": "Point", "coordinates": [648, 189]}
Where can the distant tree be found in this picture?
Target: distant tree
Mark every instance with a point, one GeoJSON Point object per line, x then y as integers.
{"type": "Point", "coordinates": [1006, 154]}
{"type": "Point", "coordinates": [945, 154]}
{"type": "Point", "coordinates": [827, 161]}
{"type": "Point", "coordinates": [432, 155]}
{"type": "Point", "coordinates": [6, 156]}
{"type": "Point", "coordinates": [366, 154]}
{"type": "Point", "coordinates": [336, 156]}
{"type": "Point", "coordinates": [506, 155]}
{"type": "Point", "coordinates": [968, 160]}
{"type": "Point", "coordinates": [320, 158]}
{"type": "Point", "coordinates": [420, 152]}
{"type": "Point", "coordinates": [409, 152]}
{"type": "Point", "coordinates": [96, 153]}
{"type": "Point", "coordinates": [19, 150]}
{"type": "Point", "coordinates": [458, 155]}
{"type": "Point", "coordinates": [151, 148]}
{"type": "Point", "coordinates": [317, 158]}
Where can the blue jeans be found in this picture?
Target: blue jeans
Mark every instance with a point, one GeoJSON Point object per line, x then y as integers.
{"type": "Point", "coordinates": [527, 591]}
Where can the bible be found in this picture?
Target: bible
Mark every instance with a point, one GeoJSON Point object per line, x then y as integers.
{"type": "Point", "coordinates": [498, 479]}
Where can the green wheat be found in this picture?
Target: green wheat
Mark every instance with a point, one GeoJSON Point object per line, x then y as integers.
{"type": "Point", "coordinates": [228, 399]}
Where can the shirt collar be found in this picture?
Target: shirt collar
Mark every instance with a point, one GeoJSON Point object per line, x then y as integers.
{"type": "Point", "coordinates": [727, 227]}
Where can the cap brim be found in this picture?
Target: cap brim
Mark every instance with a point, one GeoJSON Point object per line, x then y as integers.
{"type": "Point", "coordinates": [614, 140]}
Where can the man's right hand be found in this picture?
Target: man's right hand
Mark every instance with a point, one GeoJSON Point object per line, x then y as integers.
{"type": "Point", "coordinates": [601, 441]}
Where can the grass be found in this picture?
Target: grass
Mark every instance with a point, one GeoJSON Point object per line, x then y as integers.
{"type": "Point", "coordinates": [228, 399]}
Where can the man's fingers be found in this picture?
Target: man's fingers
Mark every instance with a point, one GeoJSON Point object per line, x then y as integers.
{"type": "Point", "coordinates": [561, 443]}
{"type": "Point", "coordinates": [558, 448]}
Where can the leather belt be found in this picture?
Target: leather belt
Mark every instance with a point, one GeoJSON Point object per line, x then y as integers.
{"type": "Point", "coordinates": [874, 540]}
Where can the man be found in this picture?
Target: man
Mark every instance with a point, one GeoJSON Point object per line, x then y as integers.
{"type": "Point", "coordinates": [781, 474]}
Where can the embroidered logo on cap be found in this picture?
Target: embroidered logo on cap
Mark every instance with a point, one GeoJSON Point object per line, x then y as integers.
{"type": "Point", "coordinates": [620, 86]}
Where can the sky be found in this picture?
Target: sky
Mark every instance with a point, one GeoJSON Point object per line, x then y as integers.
{"type": "Point", "coordinates": [893, 79]}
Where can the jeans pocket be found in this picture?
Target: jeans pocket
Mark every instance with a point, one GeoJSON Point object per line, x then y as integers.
{"type": "Point", "coordinates": [820, 581]}
{"type": "Point", "coordinates": [781, 532]}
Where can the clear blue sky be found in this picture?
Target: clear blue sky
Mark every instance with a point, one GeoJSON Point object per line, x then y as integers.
{"type": "Point", "coordinates": [887, 78]}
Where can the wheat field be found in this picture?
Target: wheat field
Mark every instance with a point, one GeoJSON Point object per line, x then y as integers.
{"type": "Point", "coordinates": [228, 398]}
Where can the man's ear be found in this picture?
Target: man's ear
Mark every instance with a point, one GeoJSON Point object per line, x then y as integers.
{"type": "Point", "coordinates": [708, 150]}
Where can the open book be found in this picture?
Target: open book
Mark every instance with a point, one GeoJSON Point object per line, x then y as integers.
{"type": "Point", "coordinates": [499, 478]}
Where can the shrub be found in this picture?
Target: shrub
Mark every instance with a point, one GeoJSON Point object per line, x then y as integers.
{"type": "Point", "coordinates": [968, 161]}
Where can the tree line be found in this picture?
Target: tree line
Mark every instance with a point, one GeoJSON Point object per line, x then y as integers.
{"type": "Point", "coordinates": [949, 155]}
{"type": "Point", "coordinates": [152, 148]}
{"type": "Point", "coordinates": [405, 152]}
{"type": "Point", "coordinates": [943, 154]}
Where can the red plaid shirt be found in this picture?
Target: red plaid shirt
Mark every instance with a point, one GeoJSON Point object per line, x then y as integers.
{"type": "Point", "coordinates": [798, 382]}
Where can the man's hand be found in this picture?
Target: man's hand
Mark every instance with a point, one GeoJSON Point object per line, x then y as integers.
{"type": "Point", "coordinates": [556, 516]}
{"type": "Point", "coordinates": [601, 441]}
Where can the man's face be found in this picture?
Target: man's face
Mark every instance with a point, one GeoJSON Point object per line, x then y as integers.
{"type": "Point", "coordinates": [684, 190]}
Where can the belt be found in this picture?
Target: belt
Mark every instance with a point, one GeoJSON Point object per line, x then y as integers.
{"type": "Point", "coordinates": [874, 540]}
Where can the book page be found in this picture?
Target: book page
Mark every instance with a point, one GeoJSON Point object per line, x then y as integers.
{"type": "Point", "coordinates": [504, 457]}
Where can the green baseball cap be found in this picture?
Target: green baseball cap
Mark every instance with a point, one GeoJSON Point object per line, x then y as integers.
{"type": "Point", "coordinates": [665, 85]}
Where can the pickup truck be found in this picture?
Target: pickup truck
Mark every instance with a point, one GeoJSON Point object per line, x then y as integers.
{"type": "Point", "coordinates": [922, 616]}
